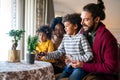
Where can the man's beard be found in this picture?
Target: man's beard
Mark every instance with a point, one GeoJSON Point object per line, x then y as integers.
{"type": "Point", "coordinates": [90, 29]}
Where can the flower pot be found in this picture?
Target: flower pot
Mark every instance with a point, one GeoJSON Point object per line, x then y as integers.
{"type": "Point", "coordinates": [14, 55]}
{"type": "Point", "coordinates": [30, 58]}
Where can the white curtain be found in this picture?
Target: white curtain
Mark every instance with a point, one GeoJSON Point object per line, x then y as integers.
{"type": "Point", "coordinates": [30, 21]}
{"type": "Point", "coordinates": [30, 17]}
{"type": "Point", "coordinates": [17, 22]}
{"type": "Point", "coordinates": [5, 24]}
{"type": "Point", "coordinates": [20, 11]}
{"type": "Point", "coordinates": [10, 18]}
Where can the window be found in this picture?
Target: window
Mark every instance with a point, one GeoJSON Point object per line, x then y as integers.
{"type": "Point", "coordinates": [5, 24]}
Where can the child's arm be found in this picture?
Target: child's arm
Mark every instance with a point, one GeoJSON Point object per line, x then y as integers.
{"type": "Point", "coordinates": [39, 55]}
{"type": "Point", "coordinates": [56, 54]}
{"type": "Point", "coordinates": [88, 55]}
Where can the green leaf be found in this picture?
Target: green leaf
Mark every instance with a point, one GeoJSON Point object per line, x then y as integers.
{"type": "Point", "coordinates": [16, 35]}
{"type": "Point", "coordinates": [32, 42]}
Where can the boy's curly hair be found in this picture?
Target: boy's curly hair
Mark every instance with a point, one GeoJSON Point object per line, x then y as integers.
{"type": "Point", "coordinates": [73, 18]}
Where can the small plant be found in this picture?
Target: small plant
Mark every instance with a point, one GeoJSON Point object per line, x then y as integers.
{"type": "Point", "coordinates": [32, 43]}
{"type": "Point", "coordinates": [16, 35]}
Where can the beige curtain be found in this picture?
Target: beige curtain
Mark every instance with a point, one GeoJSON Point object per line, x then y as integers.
{"type": "Point", "coordinates": [44, 12]}
{"type": "Point", "coordinates": [48, 11]}
{"type": "Point", "coordinates": [39, 13]}
{"type": "Point", "coordinates": [30, 21]}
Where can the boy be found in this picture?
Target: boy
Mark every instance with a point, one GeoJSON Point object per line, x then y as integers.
{"type": "Point", "coordinates": [75, 46]}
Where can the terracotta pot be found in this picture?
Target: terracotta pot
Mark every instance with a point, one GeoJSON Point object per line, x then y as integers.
{"type": "Point", "coordinates": [14, 55]}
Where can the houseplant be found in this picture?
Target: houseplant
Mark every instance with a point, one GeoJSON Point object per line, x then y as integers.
{"type": "Point", "coordinates": [32, 42]}
{"type": "Point", "coordinates": [14, 54]}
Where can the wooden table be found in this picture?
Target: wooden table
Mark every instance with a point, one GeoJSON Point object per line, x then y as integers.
{"type": "Point", "coordinates": [22, 71]}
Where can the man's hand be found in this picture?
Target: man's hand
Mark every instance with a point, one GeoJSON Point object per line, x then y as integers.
{"type": "Point", "coordinates": [77, 64]}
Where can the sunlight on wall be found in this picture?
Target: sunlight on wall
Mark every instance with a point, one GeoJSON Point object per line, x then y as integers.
{"type": "Point", "coordinates": [5, 24]}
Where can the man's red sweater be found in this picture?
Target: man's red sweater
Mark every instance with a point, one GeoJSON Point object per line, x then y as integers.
{"type": "Point", "coordinates": [105, 49]}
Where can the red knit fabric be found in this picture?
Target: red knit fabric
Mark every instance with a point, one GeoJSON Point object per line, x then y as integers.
{"type": "Point", "coordinates": [105, 54]}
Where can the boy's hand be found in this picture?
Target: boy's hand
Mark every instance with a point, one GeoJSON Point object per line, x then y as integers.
{"type": "Point", "coordinates": [37, 57]}
{"type": "Point", "coordinates": [68, 59]}
{"type": "Point", "coordinates": [40, 55]}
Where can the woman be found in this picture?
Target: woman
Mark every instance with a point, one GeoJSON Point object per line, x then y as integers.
{"type": "Point", "coordinates": [58, 31]}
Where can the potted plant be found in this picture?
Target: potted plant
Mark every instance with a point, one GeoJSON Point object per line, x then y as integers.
{"type": "Point", "coordinates": [14, 54]}
{"type": "Point", "coordinates": [32, 42]}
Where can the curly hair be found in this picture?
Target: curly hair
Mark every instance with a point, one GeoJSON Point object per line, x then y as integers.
{"type": "Point", "coordinates": [45, 29]}
{"type": "Point", "coordinates": [73, 18]}
{"type": "Point", "coordinates": [55, 21]}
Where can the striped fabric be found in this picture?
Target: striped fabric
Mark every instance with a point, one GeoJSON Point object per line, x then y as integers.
{"type": "Point", "coordinates": [76, 46]}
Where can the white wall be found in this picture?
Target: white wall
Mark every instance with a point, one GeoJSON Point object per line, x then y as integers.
{"type": "Point", "coordinates": [112, 20]}
{"type": "Point", "coordinates": [112, 13]}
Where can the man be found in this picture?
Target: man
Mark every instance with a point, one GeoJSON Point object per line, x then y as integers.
{"type": "Point", "coordinates": [104, 45]}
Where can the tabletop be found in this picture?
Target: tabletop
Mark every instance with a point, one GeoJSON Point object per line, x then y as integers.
{"type": "Point", "coordinates": [40, 70]}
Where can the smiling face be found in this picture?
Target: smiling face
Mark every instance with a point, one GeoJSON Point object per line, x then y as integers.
{"type": "Point", "coordinates": [70, 28]}
{"type": "Point", "coordinates": [59, 30]}
{"type": "Point", "coordinates": [89, 24]}
{"type": "Point", "coordinates": [87, 21]}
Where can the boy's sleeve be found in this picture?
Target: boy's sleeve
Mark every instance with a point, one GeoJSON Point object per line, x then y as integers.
{"type": "Point", "coordinates": [88, 55]}
{"type": "Point", "coordinates": [56, 54]}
